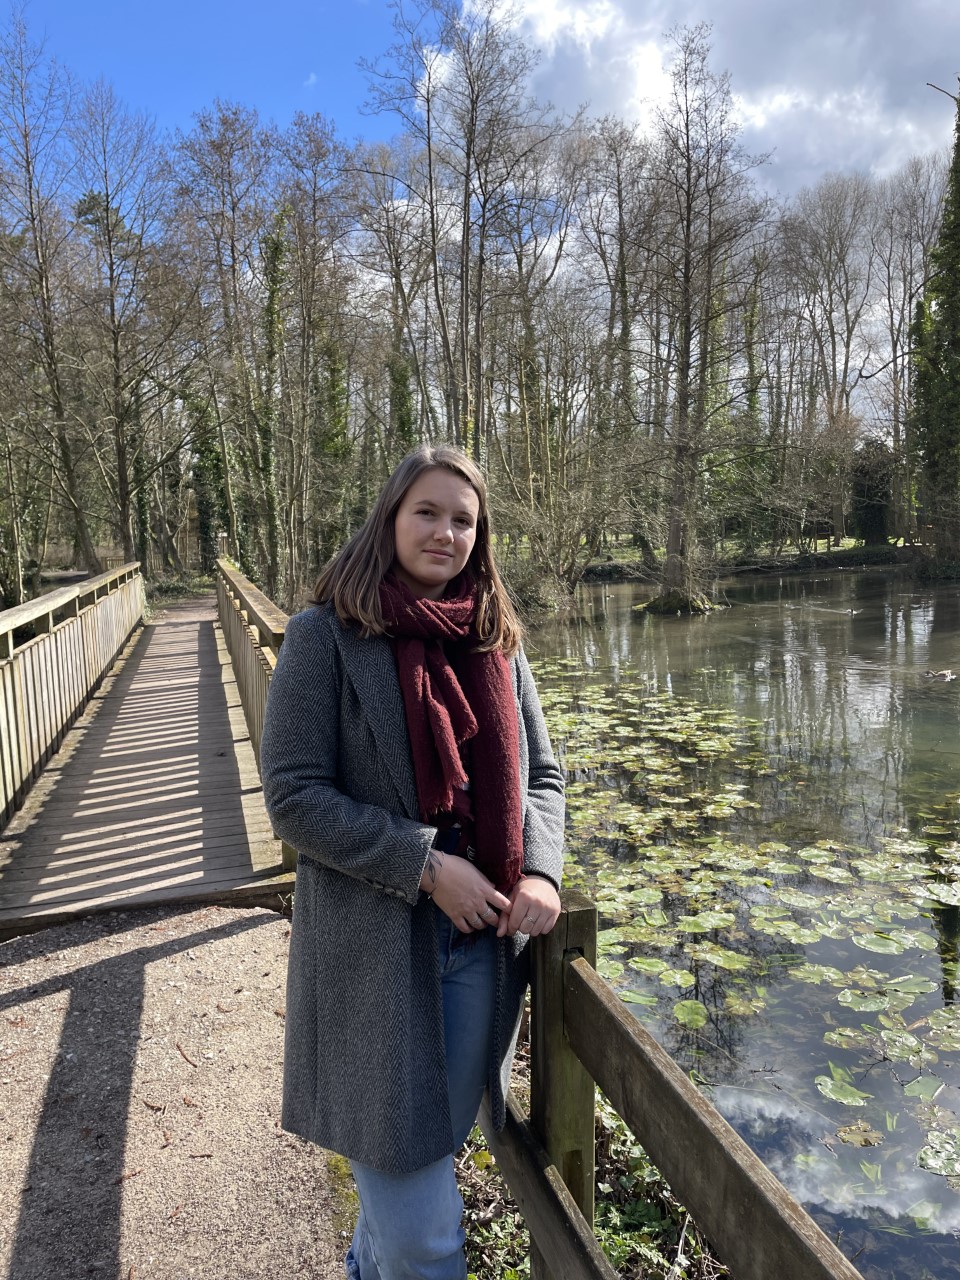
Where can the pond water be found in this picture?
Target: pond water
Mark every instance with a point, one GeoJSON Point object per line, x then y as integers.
{"type": "Point", "coordinates": [765, 804]}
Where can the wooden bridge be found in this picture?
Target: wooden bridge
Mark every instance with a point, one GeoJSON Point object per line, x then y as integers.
{"type": "Point", "coordinates": [128, 772]}
{"type": "Point", "coordinates": [154, 795]}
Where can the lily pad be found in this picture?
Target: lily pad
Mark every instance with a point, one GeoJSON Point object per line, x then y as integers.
{"type": "Point", "coordinates": [790, 930]}
{"type": "Point", "coordinates": [704, 921]}
{"type": "Point", "coordinates": [647, 964]}
{"type": "Point", "coordinates": [742, 1005]}
{"type": "Point", "coordinates": [944, 1031]}
{"type": "Point", "coordinates": [946, 894]}
{"type": "Point", "coordinates": [817, 973]}
{"type": "Point", "coordinates": [924, 1087]}
{"type": "Point", "coordinates": [677, 978]}
{"type": "Point", "coordinates": [863, 1001]}
{"type": "Point", "coordinates": [866, 978]}
{"type": "Point", "coordinates": [912, 983]}
{"type": "Point", "coordinates": [941, 1154]}
{"type": "Point", "coordinates": [917, 938]}
{"type": "Point", "coordinates": [851, 1038]}
{"type": "Point", "coordinates": [835, 875]}
{"type": "Point", "coordinates": [901, 1046]}
{"type": "Point", "coordinates": [797, 898]}
{"type": "Point", "coordinates": [637, 997]}
{"type": "Point", "coordinates": [840, 1091]}
{"type": "Point", "coordinates": [722, 957]}
{"type": "Point", "coordinates": [690, 1013]}
{"type": "Point", "coordinates": [882, 943]}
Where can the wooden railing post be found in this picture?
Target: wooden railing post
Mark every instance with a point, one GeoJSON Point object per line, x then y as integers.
{"type": "Point", "coordinates": [561, 1090]}
{"type": "Point", "coordinates": [253, 629]}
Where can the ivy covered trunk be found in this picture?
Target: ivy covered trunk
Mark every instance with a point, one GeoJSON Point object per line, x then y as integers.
{"type": "Point", "coordinates": [936, 384]}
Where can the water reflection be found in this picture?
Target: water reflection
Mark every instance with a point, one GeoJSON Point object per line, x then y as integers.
{"type": "Point", "coordinates": [859, 1208]}
{"type": "Point", "coordinates": [832, 667]}
{"type": "Point", "coordinates": [860, 745]}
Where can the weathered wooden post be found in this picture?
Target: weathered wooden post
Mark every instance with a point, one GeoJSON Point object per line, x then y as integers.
{"type": "Point", "coordinates": [561, 1091]}
{"type": "Point", "coordinates": [253, 629]}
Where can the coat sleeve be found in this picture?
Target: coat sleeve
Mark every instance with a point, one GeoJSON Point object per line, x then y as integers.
{"type": "Point", "coordinates": [544, 821]}
{"type": "Point", "coordinates": [299, 753]}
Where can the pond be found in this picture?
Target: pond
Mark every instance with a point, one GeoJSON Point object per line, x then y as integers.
{"type": "Point", "coordinates": [765, 803]}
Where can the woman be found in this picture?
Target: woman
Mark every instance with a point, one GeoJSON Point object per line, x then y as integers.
{"type": "Point", "coordinates": [405, 757]}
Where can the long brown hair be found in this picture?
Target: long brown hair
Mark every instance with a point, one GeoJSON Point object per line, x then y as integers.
{"type": "Point", "coordinates": [351, 579]}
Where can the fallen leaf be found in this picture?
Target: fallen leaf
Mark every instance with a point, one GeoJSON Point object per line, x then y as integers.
{"type": "Point", "coordinates": [860, 1134]}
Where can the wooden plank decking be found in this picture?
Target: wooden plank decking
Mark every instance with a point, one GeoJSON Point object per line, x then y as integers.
{"type": "Point", "coordinates": [154, 795]}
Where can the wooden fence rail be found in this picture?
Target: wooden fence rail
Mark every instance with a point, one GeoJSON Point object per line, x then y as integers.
{"type": "Point", "coordinates": [581, 1033]}
{"type": "Point", "coordinates": [253, 629]}
{"type": "Point", "coordinates": [54, 653]}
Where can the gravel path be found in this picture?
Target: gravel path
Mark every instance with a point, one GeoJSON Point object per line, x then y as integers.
{"type": "Point", "coordinates": [140, 1058]}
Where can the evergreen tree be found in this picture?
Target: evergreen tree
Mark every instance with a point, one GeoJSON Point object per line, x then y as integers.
{"type": "Point", "coordinates": [936, 377]}
{"type": "Point", "coordinates": [872, 485]}
{"type": "Point", "coordinates": [208, 482]}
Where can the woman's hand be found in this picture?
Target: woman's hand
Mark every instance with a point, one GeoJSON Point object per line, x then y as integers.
{"type": "Point", "coordinates": [463, 893]}
{"type": "Point", "coordinates": [534, 908]}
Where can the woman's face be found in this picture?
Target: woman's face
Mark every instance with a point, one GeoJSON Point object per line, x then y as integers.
{"type": "Point", "coordinates": [434, 530]}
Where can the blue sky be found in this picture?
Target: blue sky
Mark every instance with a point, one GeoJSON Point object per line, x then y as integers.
{"type": "Point", "coordinates": [172, 58]}
{"type": "Point", "coordinates": [824, 85]}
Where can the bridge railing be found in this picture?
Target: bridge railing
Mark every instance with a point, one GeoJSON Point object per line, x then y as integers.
{"type": "Point", "coordinates": [581, 1033]}
{"type": "Point", "coordinates": [54, 653]}
{"type": "Point", "coordinates": [253, 629]}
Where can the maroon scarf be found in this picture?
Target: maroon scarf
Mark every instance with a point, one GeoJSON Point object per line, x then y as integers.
{"type": "Point", "coordinates": [453, 697]}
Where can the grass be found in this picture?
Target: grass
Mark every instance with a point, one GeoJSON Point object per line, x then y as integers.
{"type": "Point", "coordinates": [182, 586]}
{"type": "Point", "coordinates": [179, 586]}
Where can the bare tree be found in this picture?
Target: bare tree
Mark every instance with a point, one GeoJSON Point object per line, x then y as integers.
{"type": "Point", "coordinates": [713, 217]}
{"type": "Point", "coordinates": [829, 247]}
{"type": "Point", "coordinates": [909, 209]}
{"type": "Point", "coordinates": [122, 331]}
{"type": "Point", "coordinates": [35, 165]}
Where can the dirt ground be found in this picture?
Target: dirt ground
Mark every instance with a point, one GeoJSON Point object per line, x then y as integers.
{"type": "Point", "coordinates": [140, 1058]}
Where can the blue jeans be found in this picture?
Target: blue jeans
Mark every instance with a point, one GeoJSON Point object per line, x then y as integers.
{"type": "Point", "coordinates": [409, 1224]}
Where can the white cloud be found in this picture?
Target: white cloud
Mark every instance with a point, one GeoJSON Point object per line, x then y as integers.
{"type": "Point", "coordinates": [760, 111]}
{"type": "Point", "coordinates": [310, 81]}
{"type": "Point", "coordinates": [820, 87]}
{"type": "Point", "coordinates": [585, 22]}
{"type": "Point", "coordinates": [832, 1178]}
{"type": "Point", "coordinates": [648, 78]}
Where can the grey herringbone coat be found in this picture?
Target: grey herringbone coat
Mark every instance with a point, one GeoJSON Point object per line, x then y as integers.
{"type": "Point", "coordinates": [364, 1070]}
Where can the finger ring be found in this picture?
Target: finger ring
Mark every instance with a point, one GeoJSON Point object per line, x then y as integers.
{"type": "Point", "coordinates": [478, 920]}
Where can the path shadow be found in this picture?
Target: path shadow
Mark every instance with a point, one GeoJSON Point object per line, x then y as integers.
{"type": "Point", "coordinates": [69, 1222]}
